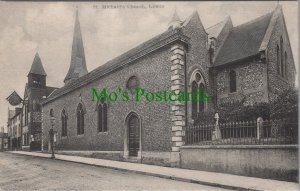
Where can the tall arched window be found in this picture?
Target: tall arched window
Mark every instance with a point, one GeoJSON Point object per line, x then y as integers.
{"type": "Point", "coordinates": [281, 57]}
{"type": "Point", "coordinates": [80, 119]}
{"type": "Point", "coordinates": [64, 124]}
{"type": "Point", "coordinates": [194, 103]}
{"type": "Point", "coordinates": [198, 91]}
{"type": "Point", "coordinates": [102, 117]}
{"type": "Point", "coordinates": [278, 61]}
{"type": "Point", "coordinates": [232, 81]}
{"type": "Point", "coordinates": [201, 102]}
{"type": "Point", "coordinates": [285, 65]}
{"type": "Point", "coordinates": [51, 113]}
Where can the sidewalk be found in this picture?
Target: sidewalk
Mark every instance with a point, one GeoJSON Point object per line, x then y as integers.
{"type": "Point", "coordinates": [222, 180]}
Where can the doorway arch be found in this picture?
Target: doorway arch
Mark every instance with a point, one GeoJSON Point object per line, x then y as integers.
{"type": "Point", "coordinates": [132, 143]}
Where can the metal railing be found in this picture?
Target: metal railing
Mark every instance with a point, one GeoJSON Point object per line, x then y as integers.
{"type": "Point", "coordinates": [243, 133]}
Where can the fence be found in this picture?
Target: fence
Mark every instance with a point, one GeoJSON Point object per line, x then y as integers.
{"type": "Point", "coordinates": [243, 133]}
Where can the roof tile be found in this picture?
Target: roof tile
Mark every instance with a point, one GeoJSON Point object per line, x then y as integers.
{"type": "Point", "coordinates": [243, 41]}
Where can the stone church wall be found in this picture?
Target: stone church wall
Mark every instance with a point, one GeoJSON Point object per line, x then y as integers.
{"type": "Point", "coordinates": [251, 83]}
{"type": "Point", "coordinates": [154, 74]}
{"type": "Point", "coordinates": [277, 83]}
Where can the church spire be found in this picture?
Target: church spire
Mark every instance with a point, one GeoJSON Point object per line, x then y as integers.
{"type": "Point", "coordinates": [37, 66]}
{"type": "Point", "coordinates": [78, 64]}
{"type": "Point", "coordinates": [37, 75]}
{"type": "Point", "coordinates": [175, 21]}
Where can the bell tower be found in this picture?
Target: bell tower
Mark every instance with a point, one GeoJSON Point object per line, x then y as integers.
{"type": "Point", "coordinates": [37, 74]}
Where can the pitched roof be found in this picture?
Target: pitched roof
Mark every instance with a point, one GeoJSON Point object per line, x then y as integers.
{"type": "Point", "coordinates": [118, 62]}
{"type": "Point", "coordinates": [243, 41]}
{"type": "Point", "coordinates": [215, 30]}
{"type": "Point", "coordinates": [37, 66]}
{"type": "Point", "coordinates": [78, 64]}
{"type": "Point", "coordinates": [49, 90]}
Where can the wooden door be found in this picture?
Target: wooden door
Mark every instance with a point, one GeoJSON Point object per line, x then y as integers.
{"type": "Point", "coordinates": [134, 135]}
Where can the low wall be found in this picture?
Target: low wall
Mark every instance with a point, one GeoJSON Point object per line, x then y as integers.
{"type": "Point", "coordinates": [265, 161]}
{"type": "Point", "coordinates": [110, 155]}
{"type": "Point", "coordinates": [148, 157]}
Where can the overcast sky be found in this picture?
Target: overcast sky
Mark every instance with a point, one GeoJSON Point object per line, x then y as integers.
{"type": "Point", "coordinates": [47, 27]}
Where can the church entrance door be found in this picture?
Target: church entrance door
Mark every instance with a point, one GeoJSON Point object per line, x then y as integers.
{"type": "Point", "coordinates": [134, 135]}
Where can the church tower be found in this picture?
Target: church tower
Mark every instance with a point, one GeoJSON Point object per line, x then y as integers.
{"type": "Point", "coordinates": [78, 64]}
{"type": "Point", "coordinates": [37, 74]}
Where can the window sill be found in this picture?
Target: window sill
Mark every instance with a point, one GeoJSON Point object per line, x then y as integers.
{"type": "Point", "coordinates": [232, 93]}
{"type": "Point", "coordinates": [81, 135]}
{"type": "Point", "coordinates": [64, 137]}
{"type": "Point", "coordinates": [102, 132]}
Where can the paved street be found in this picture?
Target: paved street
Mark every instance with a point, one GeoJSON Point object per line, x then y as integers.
{"type": "Point", "coordinates": [19, 172]}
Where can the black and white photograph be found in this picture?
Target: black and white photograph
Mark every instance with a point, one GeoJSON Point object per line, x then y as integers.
{"type": "Point", "coordinates": [149, 95]}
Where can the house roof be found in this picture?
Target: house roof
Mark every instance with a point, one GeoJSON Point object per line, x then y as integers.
{"type": "Point", "coordinates": [244, 40]}
{"type": "Point", "coordinates": [37, 66]}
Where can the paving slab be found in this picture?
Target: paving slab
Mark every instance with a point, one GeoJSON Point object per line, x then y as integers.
{"type": "Point", "coordinates": [222, 180]}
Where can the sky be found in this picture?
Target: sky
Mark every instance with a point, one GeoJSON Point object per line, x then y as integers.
{"type": "Point", "coordinates": [47, 28]}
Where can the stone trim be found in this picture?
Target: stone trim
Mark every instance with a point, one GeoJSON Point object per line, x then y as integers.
{"type": "Point", "coordinates": [241, 147]}
{"type": "Point", "coordinates": [178, 108]}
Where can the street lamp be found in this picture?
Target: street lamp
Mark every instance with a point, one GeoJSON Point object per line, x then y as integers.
{"type": "Point", "coordinates": [51, 134]}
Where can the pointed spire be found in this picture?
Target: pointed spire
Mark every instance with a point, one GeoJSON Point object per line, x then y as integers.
{"type": "Point", "coordinates": [175, 17]}
{"type": "Point", "coordinates": [37, 66]}
{"type": "Point", "coordinates": [78, 64]}
{"type": "Point", "coordinates": [175, 21]}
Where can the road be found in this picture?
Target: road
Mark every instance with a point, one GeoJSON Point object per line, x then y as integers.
{"type": "Point", "coordinates": [18, 172]}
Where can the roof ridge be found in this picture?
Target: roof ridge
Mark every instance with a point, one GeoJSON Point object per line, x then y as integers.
{"type": "Point", "coordinates": [254, 20]}
{"type": "Point", "coordinates": [217, 23]}
{"type": "Point", "coordinates": [112, 64]}
{"type": "Point", "coordinates": [131, 49]}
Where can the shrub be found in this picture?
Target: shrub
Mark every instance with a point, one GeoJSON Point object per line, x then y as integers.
{"type": "Point", "coordinates": [285, 107]}
{"type": "Point", "coordinates": [236, 111]}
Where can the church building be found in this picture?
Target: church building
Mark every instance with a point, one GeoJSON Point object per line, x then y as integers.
{"type": "Point", "coordinates": [31, 118]}
{"type": "Point", "coordinates": [252, 61]}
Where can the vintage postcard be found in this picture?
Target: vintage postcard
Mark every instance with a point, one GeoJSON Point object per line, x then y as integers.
{"type": "Point", "coordinates": [149, 95]}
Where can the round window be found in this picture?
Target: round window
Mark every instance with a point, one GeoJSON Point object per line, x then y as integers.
{"type": "Point", "coordinates": [132, 84]}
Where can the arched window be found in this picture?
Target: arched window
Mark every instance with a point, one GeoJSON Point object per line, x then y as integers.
{"type": "Point", "coordinates": [202, 99]}
{"type": "Point", "coordinates": [51, 113]}
{"type": "Point", "coordinates": [285, 64]}
{"type": "Point", "coordinates": [198, 92]}
{"type": "Point", "coordinates": [102, 117]}
{"type": "Point", "coordinates": [80, 119]}
{"type": "Point", "coordinates": [232, 81]}
{"type": "Point", "coordinates": [278, 61]}
{"type": "Point", "coordinates": [64, 124]}
{"type": "Point", "coordinates": [194, 103]}
{"type": "Point", "coordinates": [132, 84]}
{"type": "Point", "coordinates": [38, 107]}
{"type": "Point", "coordinates": [281, 57]}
